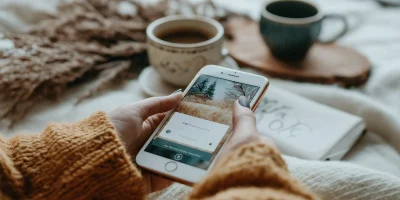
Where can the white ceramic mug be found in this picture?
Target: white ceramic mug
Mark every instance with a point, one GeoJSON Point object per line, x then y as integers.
{"type": "Point", "coordinates": [178, 63]}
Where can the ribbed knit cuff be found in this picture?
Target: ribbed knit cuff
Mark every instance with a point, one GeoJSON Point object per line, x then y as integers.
{"type": "Point", "coordinates": [252, 165]}
{"type": "Point", "coordinates": [81, 160]}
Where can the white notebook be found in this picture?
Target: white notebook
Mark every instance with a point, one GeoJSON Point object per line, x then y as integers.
{"type": "Point", "coordinates": [306, 129]}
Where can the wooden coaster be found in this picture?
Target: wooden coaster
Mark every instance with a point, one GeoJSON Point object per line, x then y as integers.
{"type": "Point", "coordinates": [327, 64]}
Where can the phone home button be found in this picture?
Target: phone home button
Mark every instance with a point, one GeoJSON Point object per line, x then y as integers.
{"type": "Point", "coordinates": [171, 166]}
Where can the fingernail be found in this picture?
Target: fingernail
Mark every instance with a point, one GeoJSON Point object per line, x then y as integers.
{"type": "Point", "coordinates": [243, 101]}
{"type": "Point", "coordinates": [176, 91]}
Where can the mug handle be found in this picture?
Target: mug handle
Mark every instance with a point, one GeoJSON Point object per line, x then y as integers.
{"type": "Point", "coordinates": [344, 30]}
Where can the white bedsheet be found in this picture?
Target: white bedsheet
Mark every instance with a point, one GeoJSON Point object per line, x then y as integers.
{"type": "Point", "coordinates": [371, 170]}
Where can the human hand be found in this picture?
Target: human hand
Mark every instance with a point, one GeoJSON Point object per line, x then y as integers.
{"type": "Point", "coordinates": [135, 123]}
{"type": "Point", "coordinates": [244, 128]}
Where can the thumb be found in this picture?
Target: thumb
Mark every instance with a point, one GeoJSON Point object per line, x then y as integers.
{"type": "Point", "coordinates": [244, 121]}
{"type": "Point", "coordinates": [155, 105]}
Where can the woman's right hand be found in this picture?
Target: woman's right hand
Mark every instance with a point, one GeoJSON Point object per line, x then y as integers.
{"type": "Point", "coordinates": [244, 128]}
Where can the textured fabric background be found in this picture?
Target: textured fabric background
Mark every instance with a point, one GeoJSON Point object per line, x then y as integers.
{"type": "Point", "coordinates": [371, 170]}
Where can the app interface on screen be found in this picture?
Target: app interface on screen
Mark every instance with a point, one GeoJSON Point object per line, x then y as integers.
{"type": "Point", "coordinates": [196, 130]}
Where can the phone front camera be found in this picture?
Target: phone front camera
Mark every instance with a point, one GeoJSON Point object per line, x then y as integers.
{"type": "Point", "coordinates": [222, 72]}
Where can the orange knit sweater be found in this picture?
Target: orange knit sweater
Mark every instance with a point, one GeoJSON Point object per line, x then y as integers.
{"type": "Point", "coordinates": [86, 160]}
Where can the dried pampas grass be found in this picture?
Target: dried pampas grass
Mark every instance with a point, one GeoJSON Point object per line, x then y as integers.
{"type": "Point", "coordinates": [103, 38]}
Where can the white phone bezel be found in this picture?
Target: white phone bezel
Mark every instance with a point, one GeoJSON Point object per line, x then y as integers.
{"type": "Point", "coordinates": [186, 173]}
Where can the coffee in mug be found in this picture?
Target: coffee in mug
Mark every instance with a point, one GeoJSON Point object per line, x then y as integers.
{"type": "Point", "coordinates": [185, 37]}
{"type": "Point", "coordinates": [179, 46]}
{"type": "Point", "coordinates": [290, 27]}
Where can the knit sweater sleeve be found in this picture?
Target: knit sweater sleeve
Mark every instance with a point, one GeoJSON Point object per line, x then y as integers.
{"type": "Point", "coordinates": [84, 160]}
{"type": "Point", "coordinates": [254, 171]}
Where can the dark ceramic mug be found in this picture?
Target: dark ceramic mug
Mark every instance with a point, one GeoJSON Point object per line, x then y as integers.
{"type": "Point", "coordinates": [290, 27]}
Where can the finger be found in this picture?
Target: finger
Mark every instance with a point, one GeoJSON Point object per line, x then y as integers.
{"type": "Point", "coordinates": [147, 180]}
{"type": "Point", "coordinates": [151, 106]}
{"type": "Point", "coordinates": [151, 123]}
{"type": "Point", "coordinates": [244, 125]}
{"type": "Point", "coordinates": [154, 182]}
{"type": "Point", "coordinates": [159, 183]}
{"type": "Point", "coordinates": [244, 121]}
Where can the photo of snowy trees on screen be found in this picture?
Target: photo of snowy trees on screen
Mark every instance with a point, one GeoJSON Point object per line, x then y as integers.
{"type": "Point", "coordinates": [212, 98]}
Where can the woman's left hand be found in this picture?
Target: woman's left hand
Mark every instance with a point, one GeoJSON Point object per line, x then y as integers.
{"type": "Point", "coordinates": [136, 122]}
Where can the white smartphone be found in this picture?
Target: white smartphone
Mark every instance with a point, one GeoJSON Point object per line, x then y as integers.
{"type": "Point", "coordinates": [187, 142]}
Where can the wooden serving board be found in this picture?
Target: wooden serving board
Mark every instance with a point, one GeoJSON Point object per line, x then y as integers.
{"type": "Point", "coordinates": [326, 64]}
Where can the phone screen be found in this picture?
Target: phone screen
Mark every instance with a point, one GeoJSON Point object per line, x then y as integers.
{"type": "Point", "coordinates": [195, 131]}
